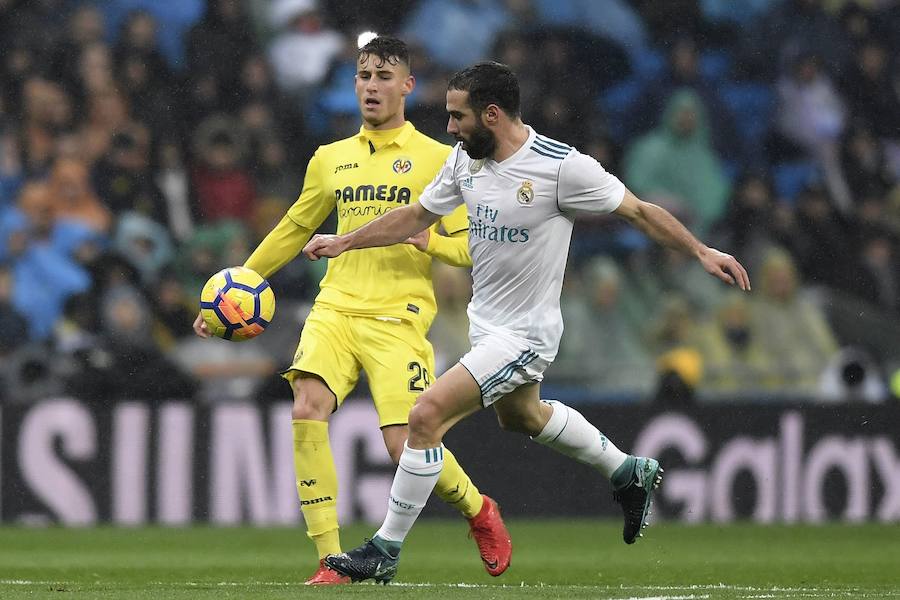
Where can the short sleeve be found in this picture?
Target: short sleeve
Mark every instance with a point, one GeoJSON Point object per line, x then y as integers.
{"type": "Point", "coordinates": [442, 195]}
{"type": "Point", "coordinates": [585, 186]}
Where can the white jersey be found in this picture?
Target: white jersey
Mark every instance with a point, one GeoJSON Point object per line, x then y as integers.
{"type": "Point", "coordinates": [521, 212]}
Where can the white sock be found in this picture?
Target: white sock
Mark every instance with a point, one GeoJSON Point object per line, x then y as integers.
{"type": "Point", "coordinates": [416, 476]}
{"type": "Point", "coordinates": [570, 433]}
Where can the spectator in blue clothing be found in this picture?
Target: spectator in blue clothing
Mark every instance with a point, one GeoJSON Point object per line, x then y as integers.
{"type": "Point", "coordinates": [44, 274]}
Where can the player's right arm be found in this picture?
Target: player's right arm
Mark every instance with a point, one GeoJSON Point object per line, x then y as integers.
{"type": "Point", "coordinates": [391, 228]}
{"type": "Point", "coordinates": [279, 247]}
{"type": "Point", "coordinates": [440, 197]}
{"type": "Point", "coordinates": [286, 240]}
{"type": "Point", "coordinates": [302, 219]}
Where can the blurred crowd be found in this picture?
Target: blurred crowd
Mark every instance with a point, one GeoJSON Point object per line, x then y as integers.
{"type": "Point", "coordinates": [145, 144]}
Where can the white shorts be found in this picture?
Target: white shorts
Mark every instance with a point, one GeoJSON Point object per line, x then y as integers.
{"type": "Point", "coordinates": [500, 366]}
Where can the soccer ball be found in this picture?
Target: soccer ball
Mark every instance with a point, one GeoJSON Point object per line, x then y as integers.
{"type": "Point", "coordinates": [237, 304]}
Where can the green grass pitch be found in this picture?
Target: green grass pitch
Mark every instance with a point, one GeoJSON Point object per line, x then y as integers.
{"type": "Point", "coordinates": [551, 559]}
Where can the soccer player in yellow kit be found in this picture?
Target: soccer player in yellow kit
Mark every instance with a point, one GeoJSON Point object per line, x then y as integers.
{"type": "Point", "coordinates": [374, 306]}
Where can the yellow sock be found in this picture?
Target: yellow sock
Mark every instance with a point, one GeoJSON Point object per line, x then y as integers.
{"type": "Point", "coordinates": [327, 543]}
{"type": "Point", "coordinates": [456, 489]}
{"type": "Point", "coordinates": [317, 484]}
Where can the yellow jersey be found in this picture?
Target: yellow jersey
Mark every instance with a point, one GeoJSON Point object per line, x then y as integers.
{"type": "Point", "coordinates": [364, 177]}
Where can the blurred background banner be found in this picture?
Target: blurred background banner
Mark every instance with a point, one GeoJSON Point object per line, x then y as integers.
{"type": "Point", "coordinates": [70, 462]}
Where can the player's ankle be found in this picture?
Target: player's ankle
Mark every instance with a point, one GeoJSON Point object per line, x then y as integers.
{"type": "Point", "coordinates": [388, 547]}
{"type": "Point", "coordinates": [622, 476]}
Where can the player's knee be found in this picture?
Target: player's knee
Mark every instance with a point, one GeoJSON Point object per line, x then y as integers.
{"type": "Point", "coordinates": [310, 402]}
{"type": "Point", "coordinates": [425, 419]}
{"type": "Point", "coordinates": [309, 410]}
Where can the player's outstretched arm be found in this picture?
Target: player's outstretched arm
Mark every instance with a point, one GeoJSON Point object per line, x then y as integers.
{"type": "Point", "coordinates": [279, 247]}
{"type": "Point", "coordinates": [659, 224]}
{"type": "Point", "coordinates": [392, 228]}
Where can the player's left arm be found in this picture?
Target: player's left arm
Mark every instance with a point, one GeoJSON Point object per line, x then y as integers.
{"type": "Point", "coordinates": [453, 248]}
{"type": "Point", "coordinates": [661, 226]}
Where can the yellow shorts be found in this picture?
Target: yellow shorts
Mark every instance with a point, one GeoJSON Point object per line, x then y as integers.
{"type": "Point", "coordinates": [397, 359]}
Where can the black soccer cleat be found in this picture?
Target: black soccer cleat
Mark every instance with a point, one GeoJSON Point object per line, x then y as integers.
{"type": "Point", "coordinates": [365, 562]}
{"type": "Point", "coordinates": [637, 495]}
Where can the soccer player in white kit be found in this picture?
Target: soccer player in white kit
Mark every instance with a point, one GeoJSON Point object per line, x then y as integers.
{"type": "Point", "coordinates": [522, 191]}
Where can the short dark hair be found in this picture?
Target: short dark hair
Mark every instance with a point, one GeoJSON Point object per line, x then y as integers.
{"type": "Point", "coordinates": [389, 49]}
{"type": "Point", "coordinates": [488, 83]}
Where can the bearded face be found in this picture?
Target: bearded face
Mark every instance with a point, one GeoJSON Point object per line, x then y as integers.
{"type": "Point", "coordinates": [480, 143]}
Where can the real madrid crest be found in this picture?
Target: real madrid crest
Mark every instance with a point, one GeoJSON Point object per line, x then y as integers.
{"type": "Point", "coordinates": [476, 166]}
{"type": "Point", "coordinates": [525, 193]}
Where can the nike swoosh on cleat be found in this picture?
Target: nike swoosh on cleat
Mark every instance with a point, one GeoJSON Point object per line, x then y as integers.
{"type": "Point", "coordinates": [379, 572]}
{"type": "Point", "coordinates": [491, 564]}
